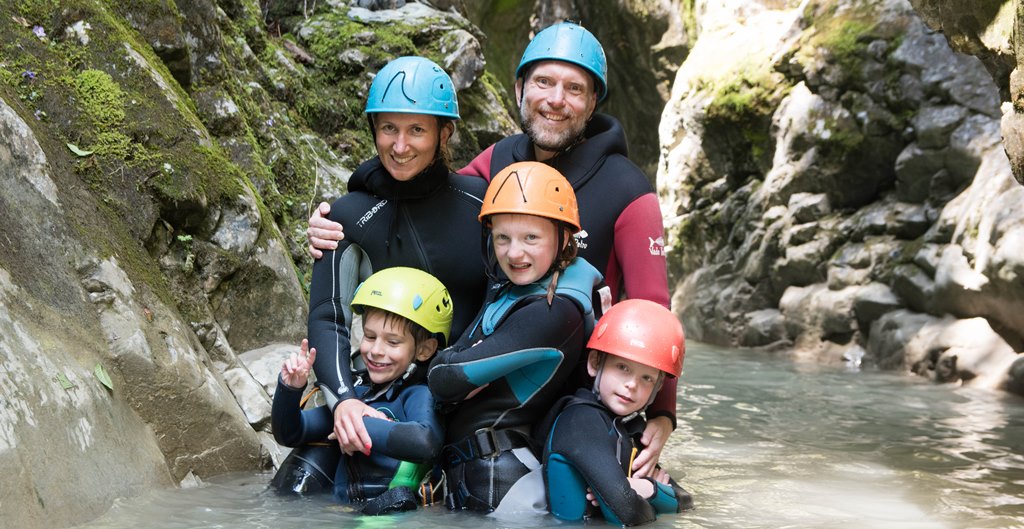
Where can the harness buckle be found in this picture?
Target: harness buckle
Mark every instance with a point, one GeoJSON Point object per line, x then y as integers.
{"type": "Point", "coordinates": [487, 441]}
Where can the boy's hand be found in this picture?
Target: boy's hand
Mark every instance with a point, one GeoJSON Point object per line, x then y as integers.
{"type": "Point", "coordinates": [642, 487]}
{"type": "Point", "coordinates": [295, 371]}
{"type": "Point", "coordinates": [349, 429]}
{"type": "Point", "coordinates": [655, 434]}
{"type": "Point", "coordinates": [323, 233]}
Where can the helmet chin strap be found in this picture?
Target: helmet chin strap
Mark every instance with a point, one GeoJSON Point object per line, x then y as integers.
{"type": "Point", "coordinates": [597, 378]}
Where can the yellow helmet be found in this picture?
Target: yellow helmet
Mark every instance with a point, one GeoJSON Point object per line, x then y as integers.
{"type": "Point", "coordinates": [410, 293]}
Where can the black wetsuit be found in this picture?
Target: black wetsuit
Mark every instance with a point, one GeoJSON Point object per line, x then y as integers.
{"type": "Point", "coordinates": [590, 447]}
{"type": "Point", "coordinates": [523, 351]}
{"type": "Point", "coordinates": [429, 223]}
{"type": "Point", "coordinates": [403, 448]}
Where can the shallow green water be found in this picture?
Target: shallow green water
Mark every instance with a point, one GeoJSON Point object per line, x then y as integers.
{"type": "Point", "coordinates": [762, 443]}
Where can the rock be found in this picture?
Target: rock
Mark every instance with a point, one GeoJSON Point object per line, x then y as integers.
{"type": "Point", "coordinates": [763, 327]}
{"type": "Point", "coordinates": [915, 169]}
{"type": "Point", "coordinates": [264, 364]}
{"type": "Point", "coordinates": [1013, 139]}
{"type": "Point", "coordinates": [807, 207]}
{"type": "Point", "coordinates": [935, 123]}
{"type": "Point", "coordinates": [871, 302]}
{"type": "Point", "coordinates": [249, 394]}
{"type": "Point", "coordinates": [463, 59]}
{"type": "Point", "coordinates": [889, 338]}
{"type": "Point", "coordinates": [1015, 376]}
{"type": "Point", "coordinates": [913, 286]}
{"type": "Point", "coordinates": [968, 146]}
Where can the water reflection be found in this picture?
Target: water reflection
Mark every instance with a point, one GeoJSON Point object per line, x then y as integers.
{"type": "Point", "coordinates": [761, 443]}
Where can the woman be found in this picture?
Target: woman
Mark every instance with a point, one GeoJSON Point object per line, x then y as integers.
{"type": "Point", "coordinates": [404, 208]}
{"type": "Point", "coordinates": [504, 373]}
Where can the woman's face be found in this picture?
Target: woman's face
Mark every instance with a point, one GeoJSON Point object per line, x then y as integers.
{"type": "Point", "coordinates": [524, 245]}
{"type": "Point", "coordinates": [407, 143]}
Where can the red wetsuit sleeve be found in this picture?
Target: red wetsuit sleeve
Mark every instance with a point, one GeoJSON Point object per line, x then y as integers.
{"type": "Point", "coordinates": [639, 254]}
{"type": "Point", "coordinates": [640, 258]}
{"type": "Point", "coordinates": [480, 166]}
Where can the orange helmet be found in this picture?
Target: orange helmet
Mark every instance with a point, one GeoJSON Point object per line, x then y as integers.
{"type": "Point", "coordinates": [642, 331]}
{"type": "Point", "coordinates": [532, 188]}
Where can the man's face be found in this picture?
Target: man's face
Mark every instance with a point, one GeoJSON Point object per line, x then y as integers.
{"type": "Point", "coordinates": [556, 100]}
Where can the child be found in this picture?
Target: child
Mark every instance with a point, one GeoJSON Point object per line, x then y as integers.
{"type": "Point", "coordinates": [635, 345]}
{"type": "Point", "coordinates": [406, 313]}
{"type": "Point", "coordinates": [502, 376]}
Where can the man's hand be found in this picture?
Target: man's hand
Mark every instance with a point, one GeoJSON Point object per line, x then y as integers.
{"type": "Point", "coordinates": [349, 429]}
{"type": "Point", "coordinates": [323, 233]}
{"type": "Point", "coordinates": [653, 439]}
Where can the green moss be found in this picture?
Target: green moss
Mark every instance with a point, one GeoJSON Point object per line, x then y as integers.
{"type": "Point", "coordinates": [37, 11]}
{"type": "Point", "coordinates": [377, 43]}
{"type": "Point", "coordinates": [844, 35]}
{"type": "Point", "coordinates": [101, 99]}
{"type": "Point", "coordinates": [844, 39]}
{"type": "Point", "coordinates": [743, 106]}
{"type": "Point", "coordinates": [752, 93]}
{"type": "Point", "coordinates": [689, 15]}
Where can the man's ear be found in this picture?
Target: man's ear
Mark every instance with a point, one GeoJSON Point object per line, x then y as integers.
{"type": "Point", "coordinates": [593, 361]}
{"type": "Point", "coordinates": [519, 91]}
{"type": "Point", "coordinates": [426, 349]}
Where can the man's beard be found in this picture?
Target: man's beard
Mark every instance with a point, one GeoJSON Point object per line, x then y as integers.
{"type": "Point", "coordinates": [546, 139]}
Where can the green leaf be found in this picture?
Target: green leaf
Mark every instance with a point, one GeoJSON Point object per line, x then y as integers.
{"type": "Point", "coordinates": [64, 382]}
{"type": "Point", "coordinates": [102, 375]}
{"type": "Point", "coordinates": [77, 150]}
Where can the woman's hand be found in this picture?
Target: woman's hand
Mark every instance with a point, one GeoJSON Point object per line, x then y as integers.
{"type": "Point", "coordinates": [349, 429]}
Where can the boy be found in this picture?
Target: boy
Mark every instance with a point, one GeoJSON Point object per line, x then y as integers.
{"type": "Point", "coordinates": [407, 315]}
{"type": "Point", "coordinates": [589, 453]}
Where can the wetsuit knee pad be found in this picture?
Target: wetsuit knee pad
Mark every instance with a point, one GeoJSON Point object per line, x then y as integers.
{"type": "Point", "coordinates": [398, 499]}
{"type": "Point", "coordinates": [308, 469]}
{"type": "Point", "coordinates": [476, 483]}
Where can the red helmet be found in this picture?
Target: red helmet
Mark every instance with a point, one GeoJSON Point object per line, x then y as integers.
{"type": "Point", "coordinates": [642, 331]}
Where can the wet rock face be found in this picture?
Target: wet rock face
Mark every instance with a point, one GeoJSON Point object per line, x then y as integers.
{"type": "Point", "coordinates": [841, 183]}
{"type": "Point", "coordinates": [991, 31]}
{"type": "Point", "coordinates": [157, 165]}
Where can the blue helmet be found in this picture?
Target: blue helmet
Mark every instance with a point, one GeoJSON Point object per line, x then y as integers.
{"type": "Point", "coordinates": [571, 43]}
{"type": "Point", "coordinates": [413, 85]}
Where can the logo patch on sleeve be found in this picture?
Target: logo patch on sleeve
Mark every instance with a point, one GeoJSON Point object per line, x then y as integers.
{"type": "Point", "coordinates": [657, 246]}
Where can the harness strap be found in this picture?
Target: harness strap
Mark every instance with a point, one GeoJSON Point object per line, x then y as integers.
{"type": "Point", "coordinates": [485, 443]}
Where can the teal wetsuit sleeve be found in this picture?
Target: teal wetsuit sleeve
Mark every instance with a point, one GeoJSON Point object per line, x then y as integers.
{"type": "Point", "coordinates": [418, 437]}
{"type": "Point", "coordinates": [664, 499]}
{"type": "Point", "coordinates": [521, 351]}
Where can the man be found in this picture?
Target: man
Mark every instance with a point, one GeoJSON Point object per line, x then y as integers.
{"type": "Point", "coordinates": [561, 79]}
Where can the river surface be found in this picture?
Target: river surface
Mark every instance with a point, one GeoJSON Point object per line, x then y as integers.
{"type": "Point", "coordinates": [762, 443]}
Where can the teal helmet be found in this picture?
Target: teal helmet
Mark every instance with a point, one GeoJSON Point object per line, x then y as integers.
{"type": "Point", "coordinates": [413, 85]}
{"type": "Point", "coordinates": [572, 43]}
